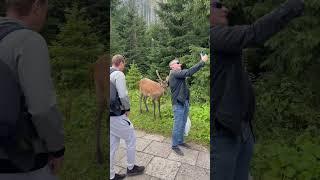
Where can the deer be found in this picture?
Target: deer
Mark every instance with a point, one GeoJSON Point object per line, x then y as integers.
{"type": "Point", "coordinates": [154, 90]}
{"type": "Point", "coordinates": [100, 75]}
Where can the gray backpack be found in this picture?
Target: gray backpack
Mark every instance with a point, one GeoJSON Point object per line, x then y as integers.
{"type": "Point", "coordinates": [12, 100]}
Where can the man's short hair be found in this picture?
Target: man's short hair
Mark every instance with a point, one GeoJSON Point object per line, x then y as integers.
{"type": "Point", "coordinates": [173, 61]}
{"type": "Point", "coordinates": [117, 59]}
{"type": "Point", "coordinates": [22, 7]}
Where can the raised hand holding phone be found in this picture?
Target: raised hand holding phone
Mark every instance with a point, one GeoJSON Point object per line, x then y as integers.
{"type": "Point", "coordinates": [204, 57]}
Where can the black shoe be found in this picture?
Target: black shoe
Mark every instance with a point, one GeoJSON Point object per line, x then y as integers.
{"type": "Point", "coordinates": [185, 145]}
{"type": "Point", "coordinates": [136, 170]}
{"type": "Point", "coordinates": [119, 176]}
{"type": "Point", "coordinates": [177, 150]}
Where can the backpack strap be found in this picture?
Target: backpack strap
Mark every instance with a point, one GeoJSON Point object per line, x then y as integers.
{"type": "Point", "coordinates": [8, 28]}
{"type": "Point", "coordinates": [113, 70]}
{"type": "Point", "coordinates": [10, 92]}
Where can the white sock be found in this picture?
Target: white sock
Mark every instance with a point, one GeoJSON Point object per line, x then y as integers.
{"type": "Point", "coordinates": [130, 167]}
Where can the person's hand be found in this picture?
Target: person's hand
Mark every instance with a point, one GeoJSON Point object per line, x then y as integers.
{"type": "Point", "coordinates": [127, 113]}
{"type": "Point", "coordinates": [204, 58]}
{"type": "Point", "coordinates": [55, 164]}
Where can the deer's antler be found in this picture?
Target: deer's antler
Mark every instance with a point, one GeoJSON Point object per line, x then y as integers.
{"type": "Point", "coordinates": [159, 76]}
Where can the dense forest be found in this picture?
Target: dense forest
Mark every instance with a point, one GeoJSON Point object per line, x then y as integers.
{"type": "Point", "coordinates": [183, 31]}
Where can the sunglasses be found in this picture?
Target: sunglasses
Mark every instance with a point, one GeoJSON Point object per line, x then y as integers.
{"type": "Point", "coordinates": [217, 5]}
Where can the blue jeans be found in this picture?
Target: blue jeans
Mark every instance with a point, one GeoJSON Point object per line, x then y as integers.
{"type": "Point", "coordinates": [180, 112]}
{"type": "Point", "coordinates": [230, 157]}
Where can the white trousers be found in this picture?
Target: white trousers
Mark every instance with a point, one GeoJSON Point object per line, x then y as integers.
{"type": "Point", "coordinates": [121, 128]}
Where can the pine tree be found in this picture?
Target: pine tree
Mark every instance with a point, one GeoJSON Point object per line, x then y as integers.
{"type": "Point", "coordinates": [133, 77]}
{"type": "Point", "coordinates": [128, 35]}
{"type": "Point", "coordinates": [74, 50]}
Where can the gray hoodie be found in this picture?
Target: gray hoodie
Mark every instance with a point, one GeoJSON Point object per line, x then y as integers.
{"type": "Point", "coordinates": [119, 79]}
{"type": "Point", "coordinates": [26, 53]}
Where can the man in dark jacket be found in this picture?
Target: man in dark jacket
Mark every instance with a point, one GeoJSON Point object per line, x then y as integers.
{"type": "Point", "coordinates": [232, 96]}
{"type": "Point", "coordinates": [180, 99]}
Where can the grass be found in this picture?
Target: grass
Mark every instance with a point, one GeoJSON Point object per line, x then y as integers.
{"type": "Point", "coordinates": [80, 161]}
{"type": "Point", "coordinates": [199, 115]}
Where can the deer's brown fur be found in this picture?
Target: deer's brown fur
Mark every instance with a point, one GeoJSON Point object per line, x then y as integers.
{"type": "Point", "coordinates": [101, 79]}
{"type": "Point", "coordinates": [154, 90]}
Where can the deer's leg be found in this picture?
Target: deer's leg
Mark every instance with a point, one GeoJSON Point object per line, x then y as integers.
{"type": "Point", "coordinates": [98, 135]}
{"type": "Point", "coordinates": [154, 108]}
{"type": "Point", "coordinates": [145, 102]}
{"type": "Point", "coordinates": [159, 107]}
{"type": "Point", "coordinates": [140, 102]}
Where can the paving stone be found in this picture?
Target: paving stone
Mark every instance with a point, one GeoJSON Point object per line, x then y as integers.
{"type": "Point", "coordinates": [168, 140]}
{"type": "Point", "coordinates": [118, 169]}
{"type": "Point", "coordinates": [154, 137]}
{"type": "Point", "coordinates": [188, 172]}
{"type": "Point", "coordinates": [158, 149]}
{"type": "Point", "coordinates": [141, 144]}
{"type": "Point", "coordinates": [120, 153]}
{"type": "Point", "coordinates": [198, 147]}
{"type": "Point", "coordinates": [208, 172]}
{"type": "Point", "coordinates": [141, 177]}
{"type": "Point", "coordinates": [154, 178]}
{"type": "Point", "coordinates": [190, 156]}
{"type": "Point", "coordinates": [203, 160]}
{"type": "Point", "coordinates": [140, 133]}
{"type": "Point", "coordinates": [163, 168]}
{"type": "Point", "coordinates": [154, 152]}
{"type": "Point", "coordinates": [142, 159]}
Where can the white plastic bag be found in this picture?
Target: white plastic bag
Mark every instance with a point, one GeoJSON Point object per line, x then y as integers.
{"type": "Point", "coordinates": [188, 126]}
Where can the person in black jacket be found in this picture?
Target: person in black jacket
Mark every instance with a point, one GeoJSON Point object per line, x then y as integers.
{"type": "Point", "coordinates": [232, 96]}
{"type": "Point", "coordinates": [180, 96]}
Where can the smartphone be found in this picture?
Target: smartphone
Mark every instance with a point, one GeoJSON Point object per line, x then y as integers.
{"type": "Point", "coordinates": [202, 53]}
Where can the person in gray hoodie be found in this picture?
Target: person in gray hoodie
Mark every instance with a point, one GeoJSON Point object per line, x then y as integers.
{"type": "Point", "coordinates": [25, 52]}
{"type": "Point", "coordinates": [120, 125]}
{"type": "Point", "coordinates": [232, 102]}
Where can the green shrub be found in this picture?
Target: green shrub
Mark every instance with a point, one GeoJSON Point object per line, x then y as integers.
{"type": "Point", "coordinates": [300, 161]}
{"type": "Point", "coordinates": [284, 106]}
{"type": "Point", "coordinates": [133, 77]}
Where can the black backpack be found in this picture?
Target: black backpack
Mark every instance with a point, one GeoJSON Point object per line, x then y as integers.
{"type": "Point", "coordinates": [115, 103]}
{"type": "Point", "coordinates": [11, 98]}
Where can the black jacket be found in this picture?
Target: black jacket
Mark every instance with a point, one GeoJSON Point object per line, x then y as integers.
{"type": "Point", "coordinates": [177, 82]}
{"type": "Point", "coordinates": [232, 95]}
